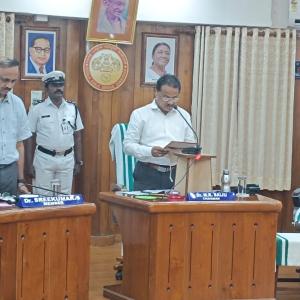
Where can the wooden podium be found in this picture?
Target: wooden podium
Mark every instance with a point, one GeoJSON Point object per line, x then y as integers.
{"type": "Point", "coordinates": [196, 250]}
{"type": "Point", "coordinates": [193, 175]}
{"type": "Point", "coordinates": [44, 252]}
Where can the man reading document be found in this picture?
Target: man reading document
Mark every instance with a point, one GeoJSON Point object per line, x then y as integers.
{"type": "Point", "coordinates": [150, 129]}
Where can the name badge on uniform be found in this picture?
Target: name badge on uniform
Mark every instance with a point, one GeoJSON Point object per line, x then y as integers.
{"type": "Point", "coordinates": [65, 127]}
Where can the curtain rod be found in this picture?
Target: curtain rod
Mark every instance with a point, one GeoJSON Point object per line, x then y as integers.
{"type": "Point", "coordinates": [250, 33]}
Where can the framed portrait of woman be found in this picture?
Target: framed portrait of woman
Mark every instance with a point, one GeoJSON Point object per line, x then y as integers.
{"type": "Point", "coordinates": [112, 21]}
{"type": "Point", "coordinates": [159, 57]}
{"type": "Point", "coordinates": [38, 51]}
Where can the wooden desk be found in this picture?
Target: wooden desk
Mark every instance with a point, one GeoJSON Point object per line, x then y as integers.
{"type": "Point", "coordinates": [44, 253]}
{"type": "Point", "coordinates": [196, 251]}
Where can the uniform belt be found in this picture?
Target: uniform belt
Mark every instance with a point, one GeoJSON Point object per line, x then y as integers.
{"type": "Point", "coordinates": [54, 152]}
{"type": "Point", "coordinates": [159, 168]}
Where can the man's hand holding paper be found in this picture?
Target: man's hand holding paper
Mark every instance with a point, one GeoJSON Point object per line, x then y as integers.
{"type": "Point", "coordinates": [157, 151]}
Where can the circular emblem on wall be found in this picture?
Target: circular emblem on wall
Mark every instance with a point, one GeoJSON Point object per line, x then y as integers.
{"type": "Point", "coordinates": [105, 67]}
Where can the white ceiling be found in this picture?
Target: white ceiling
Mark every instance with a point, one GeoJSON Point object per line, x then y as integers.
{"type": "Point", "coordinates": [221, 12]}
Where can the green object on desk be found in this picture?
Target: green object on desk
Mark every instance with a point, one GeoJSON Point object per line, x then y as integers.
{"type": "Point", "coordinates": [148, 198]}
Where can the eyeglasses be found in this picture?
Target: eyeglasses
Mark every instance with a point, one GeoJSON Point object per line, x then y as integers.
{"type": "Point", "coordinates": [167, 99]}
{"type": "Point", "coordinates": [39, 50]}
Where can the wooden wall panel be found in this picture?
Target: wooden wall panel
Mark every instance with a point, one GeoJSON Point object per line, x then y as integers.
{"type": "Point", "coordinates": [73, 64]}
{"type": "Point", "coordinates": [100, 111]}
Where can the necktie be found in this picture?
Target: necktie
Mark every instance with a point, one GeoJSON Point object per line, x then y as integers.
{"type": "Point", "coordinates": [41, 70]}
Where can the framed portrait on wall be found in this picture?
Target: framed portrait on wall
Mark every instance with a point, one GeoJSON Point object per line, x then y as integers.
{"type": "Point", "coordinates": [159, 56]}
{"type": "Point", "coordinates": [112, 21]}
{"type": "Point", "coordinates": [39, 49]}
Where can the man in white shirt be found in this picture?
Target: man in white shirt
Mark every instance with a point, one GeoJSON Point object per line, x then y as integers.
{"type": "Point", "coordinates": [14, 129]}
{"type": "Point", "coordinates": [150, 129]}
{"type": "Point", "coordinates": [56, 125]}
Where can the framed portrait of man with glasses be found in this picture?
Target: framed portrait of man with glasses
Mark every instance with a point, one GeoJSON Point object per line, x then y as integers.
{"type": "Point", "coordinates": [39, 51]}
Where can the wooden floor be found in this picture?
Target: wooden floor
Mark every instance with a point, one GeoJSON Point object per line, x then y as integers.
{"type": "Point", "coordinates": [102, 273]}
{"type": "Point", "coordinates": [101, 269]}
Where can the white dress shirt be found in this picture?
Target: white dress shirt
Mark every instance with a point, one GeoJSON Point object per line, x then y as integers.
{"type": "Point", "coordinates": [14, 127]}
{"type": "Point", "coordinates": [149, 127]}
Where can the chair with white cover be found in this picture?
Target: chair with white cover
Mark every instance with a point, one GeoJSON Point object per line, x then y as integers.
{"type": "Point", "coordinates": [124, 163]}
{"type": "Point", "coordinates": [288, 244]}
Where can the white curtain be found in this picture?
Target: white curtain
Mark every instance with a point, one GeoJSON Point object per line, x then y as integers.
{"type": "Point", "coordinates": [215, 94]}
{"type": "Point", "coordinates": [242, 106]}
{"type": "Point", "coordinates": [7, 24]}
{"type": "Point", "coordinates": [266, 102]}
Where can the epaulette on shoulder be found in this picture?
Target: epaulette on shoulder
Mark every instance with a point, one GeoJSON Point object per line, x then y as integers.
{"type": "Point", "coordinates": [38, 102]}
{"type": "Point", "coordinates": [71, 102]}
{"type": "Point", "coordinates": [76, 111]}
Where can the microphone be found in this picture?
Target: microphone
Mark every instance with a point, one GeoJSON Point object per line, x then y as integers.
{"type": "Point", "coordinates": [190, 150]}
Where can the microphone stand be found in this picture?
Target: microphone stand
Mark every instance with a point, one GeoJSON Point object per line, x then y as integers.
{"type": "Point", "coordinates": [44, 189]}
{"type": "Point", "coordinates": [190, 150]}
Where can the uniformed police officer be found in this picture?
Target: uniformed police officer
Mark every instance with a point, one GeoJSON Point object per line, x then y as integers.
{"type": "Point", "coordinates": [56, 126]}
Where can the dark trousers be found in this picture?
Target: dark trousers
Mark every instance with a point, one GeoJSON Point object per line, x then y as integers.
{"type": "Point", "coordinates": [147, 178]}
{"type": "Point", "coordinates": [8, 178]}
